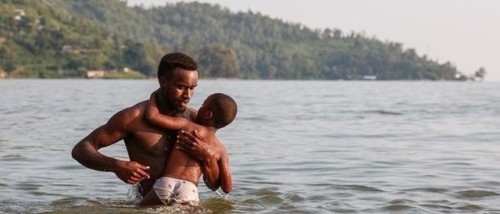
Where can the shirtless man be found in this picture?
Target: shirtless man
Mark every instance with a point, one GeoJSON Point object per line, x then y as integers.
{"type": "Point", "coordinates": [179, 183]}
{"type": "Point", "coordinates": [148, 146]}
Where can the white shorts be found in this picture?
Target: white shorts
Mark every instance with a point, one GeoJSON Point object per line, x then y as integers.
{"type": "Point", "coordinates": [172, 190]}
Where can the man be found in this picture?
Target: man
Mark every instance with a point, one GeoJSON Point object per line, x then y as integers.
{"type": "Point", "coordinates": [148, 146]}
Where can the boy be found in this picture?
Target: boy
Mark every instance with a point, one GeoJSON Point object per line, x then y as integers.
{"type": "Point", "coordinates": [182, 173]}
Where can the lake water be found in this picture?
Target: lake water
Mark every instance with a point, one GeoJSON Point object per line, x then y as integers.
{"type": "Point", "coordinates": [295, 147]}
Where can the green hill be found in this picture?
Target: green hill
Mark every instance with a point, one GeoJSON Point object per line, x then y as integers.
{"type": "Point", "coordinates": [66, 38]}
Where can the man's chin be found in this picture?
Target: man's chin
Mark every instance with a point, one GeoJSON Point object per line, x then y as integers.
{"type": "Point", "coordinates": [181, 108]}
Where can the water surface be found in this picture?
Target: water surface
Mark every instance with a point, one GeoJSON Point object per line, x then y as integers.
{"type": "Point", "coordinates": [295, 147]}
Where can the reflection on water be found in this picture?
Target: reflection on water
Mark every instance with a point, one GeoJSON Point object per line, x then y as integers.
{"type": "Point", "coordinates": [295, 147]}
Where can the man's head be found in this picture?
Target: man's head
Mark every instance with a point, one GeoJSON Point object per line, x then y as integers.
{"type": "Point", "coordinates": [178, 77]}
{"type": "Point", "coordinates": [218, 108]}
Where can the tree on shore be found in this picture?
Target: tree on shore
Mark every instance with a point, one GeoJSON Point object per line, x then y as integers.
{"type": "Point", "coordinates": [480, 73]}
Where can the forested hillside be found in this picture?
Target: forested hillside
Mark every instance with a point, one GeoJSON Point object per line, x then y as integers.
{"type": "Point", "coordinates": [67, 38]}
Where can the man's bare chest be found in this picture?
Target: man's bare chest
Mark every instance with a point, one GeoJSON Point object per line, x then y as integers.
{"type": "Point", "coordinates": [150, 140]}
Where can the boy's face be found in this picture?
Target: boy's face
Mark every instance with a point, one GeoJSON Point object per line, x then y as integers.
{"type": "Point", "coordinates": [203, 110]}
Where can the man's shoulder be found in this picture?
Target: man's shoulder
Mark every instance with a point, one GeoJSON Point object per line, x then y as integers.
{"type": "Point", "coordinates": [132, 112]}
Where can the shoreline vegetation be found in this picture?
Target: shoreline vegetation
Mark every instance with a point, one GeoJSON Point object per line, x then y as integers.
{"type": "Point", "coordinates": [53, 39]}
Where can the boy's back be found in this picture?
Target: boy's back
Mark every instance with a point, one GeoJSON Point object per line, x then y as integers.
{"type": "Point", "coordinates": [182, 166]}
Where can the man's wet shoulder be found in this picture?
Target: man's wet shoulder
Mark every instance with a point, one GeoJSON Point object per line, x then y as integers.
{"type": "Point", "coordinates": [132, 114]}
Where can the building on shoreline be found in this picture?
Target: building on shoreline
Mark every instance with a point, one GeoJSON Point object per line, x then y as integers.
{"type": "Point", "coordinates": [96, 74]}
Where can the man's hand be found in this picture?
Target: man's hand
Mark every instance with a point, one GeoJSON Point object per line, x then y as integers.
{"type": "Point", "coordinates": [194, 145]}
{"type": "Point", "coordinates": [131, 172]}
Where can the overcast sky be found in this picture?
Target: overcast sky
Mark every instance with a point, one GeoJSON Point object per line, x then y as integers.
{"type": "Point", "coordinates": [463, 32]}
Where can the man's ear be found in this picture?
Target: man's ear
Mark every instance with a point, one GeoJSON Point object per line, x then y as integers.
{"type": "Point", "coordinates": [162, 81]}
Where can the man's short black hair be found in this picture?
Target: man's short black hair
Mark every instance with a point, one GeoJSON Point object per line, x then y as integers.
{"type": "Point", "coordinates": [172, 61]}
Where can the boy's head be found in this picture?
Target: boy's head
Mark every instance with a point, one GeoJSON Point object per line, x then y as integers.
{"type": "Point", "coordinates": [219, 108]}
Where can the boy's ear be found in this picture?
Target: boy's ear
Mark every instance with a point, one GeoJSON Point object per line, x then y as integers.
{"type": "Point", "coordinates": [208, 115]}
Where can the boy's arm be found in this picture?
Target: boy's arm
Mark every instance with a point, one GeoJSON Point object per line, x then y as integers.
{"type": "Point", "coordinates": [211, 174]}
{"type": "Point", "coordinates": [225, 173]}
{"type": "Point", "coordinates": [154, 116]}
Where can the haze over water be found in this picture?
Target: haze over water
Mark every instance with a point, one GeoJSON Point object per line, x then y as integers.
{"type": "Point", "coordinates": [295, 146]}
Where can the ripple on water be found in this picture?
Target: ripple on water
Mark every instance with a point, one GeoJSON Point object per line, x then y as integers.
{"type": "Point", "coordinates": [12, 157]}
{"type": "Point", "coordinates": [397, 207]}
{"type": "Point", "coordinates": [16, 206]}
{"type": "Point", "coordinates": [264, 196]}
{"type": "Point", "coordinates": [293, 197]}
{"type": "Point", "coordinates": [271, 199]}
{"type": "Point", "coordinates": [437, 206]}
{"type": "Point", "coordinates": [361, 188]}
{"type": "Point", "coordinates": [400, 205]}
{"type": "Point", "coordinates": [427, 189]}
{"type": "Point", "coordinates": [337, 206]}
{"type": "Point", "coordinates": [318, 197]}
{"type": "Point", "coordinates": [172, 209]}
{"type": "Point", "coordinates": [471, 194]}
{"type": "Point", "coordinates": [218, 204]}
{"type": "Point", "coordinates": [470, 208]}
{"type": "Point", "coordinates": [28, 186]}
{"type": "Point", "coordinates": [85, 205]}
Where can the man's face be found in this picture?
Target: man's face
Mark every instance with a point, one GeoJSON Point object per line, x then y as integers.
{"type": "Point", "coordinates": [178, 90]}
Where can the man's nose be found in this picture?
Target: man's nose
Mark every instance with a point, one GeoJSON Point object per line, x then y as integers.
{"type": "Point", "coordinates": [188, 93]}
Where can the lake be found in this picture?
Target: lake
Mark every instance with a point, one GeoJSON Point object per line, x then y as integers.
{"type": "Point", "coordinates": [295, 147]}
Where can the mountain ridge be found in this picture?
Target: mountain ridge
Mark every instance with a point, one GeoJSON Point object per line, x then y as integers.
{"type": "Point", "coordinates": [109, 35]}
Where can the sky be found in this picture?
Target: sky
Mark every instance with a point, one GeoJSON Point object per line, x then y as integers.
{"type": "Point", "coordinates": [465, 33]}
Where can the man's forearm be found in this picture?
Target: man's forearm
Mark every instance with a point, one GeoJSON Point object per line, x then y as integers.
{"type": "Point", "coordinates": [89, 157]}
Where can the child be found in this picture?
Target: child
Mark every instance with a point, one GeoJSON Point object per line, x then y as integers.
{"type": "Point", "coordinates": [182, 173]}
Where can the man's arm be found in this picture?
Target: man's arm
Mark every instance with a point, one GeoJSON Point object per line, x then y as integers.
{"type": "Point", "coordinates": [154, 116]}
{"type": "Point", "coordinates": [86, 151]}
